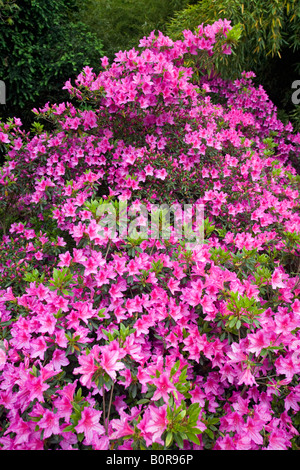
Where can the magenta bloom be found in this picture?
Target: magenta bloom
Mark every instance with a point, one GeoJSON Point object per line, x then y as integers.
{"type": "Point", "coordinates": [2, 359]}
{"type": "Point", "coordinates": [122, 428]}
{"type": "Point", "coordinates": [50, 423]}
{"type": "Point", "coordinates": [296, 307]}
{"type": "Point", "coordinates": [87, 369]}
{"type": "Point", "coordinates": [278, 441]}
{"type": "Point", "coordinates": [252, 429]}
{"type": "Point", "coordinates": [164, 387]}
{"type": "Point", "coordinates": [39, 347]}
{"type": "Point", "coordinates": [247, 377]}
{"type": "Point", "coordinates": [158, 421]}
{"type": "Point", "coordinates": [277, 278]}
{"type": "Point", "coordinates": [89, 423]}
{"type": "Point", "coordinates": [109, 362]}
{"type": "Point", "coordinates": [36, 387]}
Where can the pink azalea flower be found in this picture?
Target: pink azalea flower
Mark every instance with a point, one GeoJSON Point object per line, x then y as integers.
{"type": "Point", "coordinates": [142, 326]}
{"type": "Point", "coordinates": [91, 266]}
{"type": "Point", "coordinates": [104, 61]}
{"type": "Point", "coordinates": [226, 443]}
{"type": "Point", "coordinates": [38, 255]}
{"type": "Point", "coordinates": [87, 369]}
{"type": "Point", "coordinates": [235, 422]}
{"type": "Point", "coordinates": [296, 307]}
{"type": "Point", "coordinates": [277, 441]}
{"type": "Point", "coordinates": [4, 138]}
{"type": "Point", "coordinates": [59, 359]}
{"type": "Point", "coordinates": [149, 170]}
{"type": "Point", "coordinates": [60, 339]}
{"type": "Point", "coordinates": [42, 292]}
{"type": "Point", "coordinates": [292, 401]}
{"type": "Point", "coordinates": [61, 303]}
{"type": "Point", "coordinates": [258, 341]}
{"type": "Point", "coordinates": [100, 443]}
{"type": "Point", "coordinates": [246, 377]}
{"type": "Point", "coordinates": [173, 285]}
{"type": "Point", "coordinates": [22, 429]}
{"type": "Point", "coordinates": [2, 359]}
{"type": "Point", "coordinates": [39, 347]}
{"type": "Point", "coordinates": [158, 421]}
{"type": "Point", "coordinates": [277, 278]}
{"type": "Point", "coordinates": [252, 429]}
{"type": "Point", "coordinates": [164, 387]}
{"type": "Point", "coordinates": [287, 366]}
{"type": "Point", "coordinates": [48, 323]}
{"type": "Point", "coordinates": [236, 354]}
{"type": "Point", "coordinates": [198, 396]}
{"type": "Point", "coordinates": [89, 423]}
{"type": "Point", "coordinates": [122, 428]}
{"type": "Point", "coordinates": [109, 361]}
{"type": "Point", "coordinates": [65, 259]}
{"type": "Point", "coordinates": [36, 388]}
{"type": "Point", "coordinates": [50, 423]}
{"type": "Point", "coordinates": [161, 174]}
{"type": "Point", "coordinates": [21, 338]}
{"type": "Point", "coordinates": [144, 430]}
{"type": "Point", "coordinates": [243, 442]}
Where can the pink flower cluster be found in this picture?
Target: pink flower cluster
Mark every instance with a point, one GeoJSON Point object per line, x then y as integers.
{"type": "Point", "coordinates": [112, 343]}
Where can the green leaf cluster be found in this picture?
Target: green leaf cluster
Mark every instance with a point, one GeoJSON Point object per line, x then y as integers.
{"type": "Point", "coordinates": [182, 425]}
{"type": "Point", "coordinates": [62, 279]}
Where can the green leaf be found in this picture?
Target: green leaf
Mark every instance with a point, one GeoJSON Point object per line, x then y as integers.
{"type": "Point", "coordinates": [182, 376]}
{"type": "Point", "coordinates": [195, 430]}
{"type": "Point", "coordinates": [169, 438]}
{"type": "Point", "coordinates": [192, 437]}
{"type": "Point", "coordinates": [193, 414]}
{"type": "Point", "coordinates": [101, 312]}
{"type": "Point", "coordinates": [143, 401]}
{"type": "Point", "coordinates": [77, 407]}
{"type": "Point", "coordinates": [175, 368]}
{"type": "Point", "coordinates": [178, 439]}
{"type": "Point", "coordinates": [69, 428]}
{"type": "Point", "coordinates": [209, 433]}
{"type": "Point", "coordinates": [36, 418]}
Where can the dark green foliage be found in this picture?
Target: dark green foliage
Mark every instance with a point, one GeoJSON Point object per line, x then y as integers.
{"type": "Point", "coordinates": [122, 23]}
{"type": "Point", "coordinates": [43, 47]}
{"type": "Point", "coordinates": [7, 10]}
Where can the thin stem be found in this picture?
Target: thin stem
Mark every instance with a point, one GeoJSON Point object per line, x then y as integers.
{"type": "Point", "coordinates": [244, 389]}
{"type": "Point", "coordinates": [3, 228]}
{"type": "Point", "coordinates": [152, 248]}
{"type": "Point", "coordinates": [108, 246]}
{"type": "Point", "coordinates": [104, 419]}
{"type": "Point", "coordinates": [109, 406]}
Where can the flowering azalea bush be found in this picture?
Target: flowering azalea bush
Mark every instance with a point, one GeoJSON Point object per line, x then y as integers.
{"type": "Point", "coordinates": [114, 341]}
